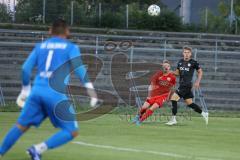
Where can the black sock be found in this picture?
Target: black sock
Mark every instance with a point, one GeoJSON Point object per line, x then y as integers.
{"type": "Point", "coordinates": [195, 107]}
{"type": "Point", "coordinates": [174, 108]}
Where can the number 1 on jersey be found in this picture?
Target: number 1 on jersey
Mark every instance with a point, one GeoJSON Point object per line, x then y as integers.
{"type": "Point", "coordinates": [49, 60]}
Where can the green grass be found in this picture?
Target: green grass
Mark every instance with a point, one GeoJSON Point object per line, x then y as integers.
{"type": "Point", "coordinates": [191, 139]}
{"type": "Point", "coordinates": [182, 110]}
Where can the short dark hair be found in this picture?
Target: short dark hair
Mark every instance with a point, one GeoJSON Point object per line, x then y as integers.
{"type": "Point", "coordinates": [187, 48]}
{"type": "Point", "coordinates": [59, 27]}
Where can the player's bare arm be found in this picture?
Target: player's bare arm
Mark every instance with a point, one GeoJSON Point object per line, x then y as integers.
{"type": "Point", "coordinates": [199, 77]}
{"type": "Point", "coordinates": [176, 72]}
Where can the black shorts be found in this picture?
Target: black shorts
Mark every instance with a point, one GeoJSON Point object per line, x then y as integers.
{"type": "Point", "coordinates": [185, 92]}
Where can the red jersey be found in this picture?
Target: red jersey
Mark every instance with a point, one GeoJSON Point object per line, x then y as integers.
{"type": "Point", "coordinates": [162, 84]}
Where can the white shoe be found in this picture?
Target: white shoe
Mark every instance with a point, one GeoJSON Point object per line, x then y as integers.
{"type": "Point", "coordinates": [173, 121]}
{"type": "Point", "coordinates": [205, 116]}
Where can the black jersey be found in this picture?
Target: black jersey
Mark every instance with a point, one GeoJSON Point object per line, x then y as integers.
{"type": "Point", "coordinates": [186, 70]}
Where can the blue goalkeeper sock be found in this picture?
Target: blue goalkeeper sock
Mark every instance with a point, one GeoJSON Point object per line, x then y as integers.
{"type": "Point", "coordinates": [13, 135]}
{"type": "Point", "coordinates": [60, 138]}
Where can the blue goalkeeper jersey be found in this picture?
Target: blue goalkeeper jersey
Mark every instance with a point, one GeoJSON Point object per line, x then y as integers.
{"type": "Point", "coordinates": [48, 56]}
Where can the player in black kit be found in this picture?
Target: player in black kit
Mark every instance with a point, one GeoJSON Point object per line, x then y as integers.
{"type": "Point", "coordinates": [185, 69]}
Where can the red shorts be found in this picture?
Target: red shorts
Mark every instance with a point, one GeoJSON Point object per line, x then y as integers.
{"type": "Point", "coordinates": [158, 99]}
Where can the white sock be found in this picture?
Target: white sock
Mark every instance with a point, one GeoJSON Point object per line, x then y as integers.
{"type": "Point", "coordinates": [40, 148]}
{"type": "Point", "coordinates": [174, 118]}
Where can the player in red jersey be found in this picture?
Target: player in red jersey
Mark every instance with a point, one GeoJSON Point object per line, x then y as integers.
{"type": "Point", "coordinates": [161, 86]}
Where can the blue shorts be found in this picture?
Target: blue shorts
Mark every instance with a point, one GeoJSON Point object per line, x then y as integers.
{"type": "Point", "coordinates": [44, 102]}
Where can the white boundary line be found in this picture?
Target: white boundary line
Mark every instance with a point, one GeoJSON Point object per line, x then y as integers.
{"type": "Point", "coordinates": [167, 154]}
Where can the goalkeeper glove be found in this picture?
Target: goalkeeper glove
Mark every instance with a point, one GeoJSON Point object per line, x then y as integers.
{"type": "Point", "coordinates": [91, 92]}
{"type": "Point", "coordinates": [21, 99]}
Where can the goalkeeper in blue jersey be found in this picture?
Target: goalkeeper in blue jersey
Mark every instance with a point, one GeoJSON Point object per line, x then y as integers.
{"type": "Point", "coordinates": [39, 102]}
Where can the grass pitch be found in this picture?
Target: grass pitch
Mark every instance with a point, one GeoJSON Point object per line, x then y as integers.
{"type": "Point", "coordinates": [110, 138]}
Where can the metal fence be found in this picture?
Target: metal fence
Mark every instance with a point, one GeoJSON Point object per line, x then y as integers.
{"type": "Point", "coordinates": [2, 100]}
{"type": "Point", "coordinates": [148, 49]}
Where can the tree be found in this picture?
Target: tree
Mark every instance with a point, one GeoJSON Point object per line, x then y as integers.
{"type": "Point", "coordinates": [5, 16]}
{"type": "Point", "coordinates": [221, 21]}
{"type": "Point", "coordinates": [166, 21]}
{"type": "Point", "coordinates": [86, 13]}
{"type": "Point", "coordinates": [56, 9]}
{"type": "Point", "coordinates": [28, 10]}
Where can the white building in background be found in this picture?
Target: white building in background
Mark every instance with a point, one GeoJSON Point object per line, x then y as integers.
{"type": "Point", "coordinates": [10, 4]}
{"type": "Point", "coordinates": [185, 11]}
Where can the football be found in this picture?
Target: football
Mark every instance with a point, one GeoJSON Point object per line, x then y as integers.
{"type": "Point", "coordinates": [154, 10]}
